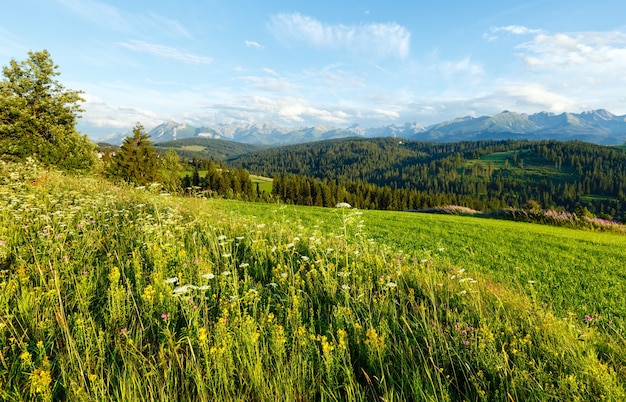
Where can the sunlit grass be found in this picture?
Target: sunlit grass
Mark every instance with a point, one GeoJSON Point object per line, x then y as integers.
{"type": "Point", "coordinates": [110, 293]}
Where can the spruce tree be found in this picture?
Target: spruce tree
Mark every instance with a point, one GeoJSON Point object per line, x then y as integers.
{"type": "Point", "coordinates": [136, 161]}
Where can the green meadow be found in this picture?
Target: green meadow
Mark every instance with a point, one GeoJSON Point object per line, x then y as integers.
{"type": "Point", "coordinates": [116, 293]}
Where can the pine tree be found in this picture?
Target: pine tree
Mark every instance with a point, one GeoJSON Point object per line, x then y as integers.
{"type": "Point", "coordinates": [136, 161]}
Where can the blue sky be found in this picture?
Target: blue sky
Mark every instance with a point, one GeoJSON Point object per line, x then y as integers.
{"type": "Point", "coordinates": [333, 63]}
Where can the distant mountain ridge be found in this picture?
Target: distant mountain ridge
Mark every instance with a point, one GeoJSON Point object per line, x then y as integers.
{"type": "Point", "coordinates": [596, 126]}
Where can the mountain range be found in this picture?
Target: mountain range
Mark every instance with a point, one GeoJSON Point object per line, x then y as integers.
{"type": "Point", "coordinates": [596, 126]}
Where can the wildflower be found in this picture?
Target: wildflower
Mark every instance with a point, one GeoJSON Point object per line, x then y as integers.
{"type": "Point", "coordinates": [273, 284]}
{"type": "Point", "coordinates": [391, 284]}
{"type": "Point", "coordinates": [124, 331]}
{"type": "Point", "coordinates": [202, 335]}
{"type": "Point", "coordinates": [222, 237]}
{"type": "Point", "coordinates": [345, 287]}
{"type": "Point", "coordinates": [244, 265]}
{"type": "Point", "coordinates": [342, 336]}
{"type": "Point", "coordinates": [208, 276]}
{"type": "Point", "coordinates": [41, 379]}
{"type": "Point", "coordinates": [173, 279]}
{"type": "Point", "coordinates": [165, 316]}
{"type": "Point", "coordinates": [3, 242]}
{"type": "Point", "coordinates": [226, 255]}
{"type": "Point", "coordinates": [26, 357]}
{"type": "Point", "coordinates": [588, 318]}
{"type": "Point", "coordinates": [466, 343]}
{"type": "Point", "coordinates": [343, 205]}
{"type": "Point", "coordinates": [225, 273]}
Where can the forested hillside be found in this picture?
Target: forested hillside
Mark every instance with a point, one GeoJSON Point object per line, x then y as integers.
{"type": "Point", "coordinates": [387, 173]}
{"type": "Point", "coordinates": [206, 148]}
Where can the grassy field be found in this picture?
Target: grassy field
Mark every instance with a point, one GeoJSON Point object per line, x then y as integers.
{"type": "Point", "coordinates": [529, 165]}
{"type": "Point", "coordinates": [111, 293]}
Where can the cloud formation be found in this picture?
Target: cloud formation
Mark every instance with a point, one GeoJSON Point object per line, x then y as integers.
{"type": "Point", "coordinates": [251, 43]}
{"type": "Point", "coordinates": [98, 12]}
{"type": "Point", "coordinates": [511, 30]}
{"type": "Point", "coordinates": [165, 52]}
{"type": "Point", "coordinates": [380, 40]}
{"type": "Point", "coordinates": [582, 50]}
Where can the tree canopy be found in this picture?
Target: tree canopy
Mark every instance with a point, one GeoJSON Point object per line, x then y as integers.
{"type": "Point", "coordinates": [38, 115]}
{"type": "Point", "coordinates": [136, 161]}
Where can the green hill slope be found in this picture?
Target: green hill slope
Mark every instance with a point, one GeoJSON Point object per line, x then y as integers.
{"type": "Point", "coordinates": [207, 148]}
{"type": "Point", "coordinates": [111, 293]}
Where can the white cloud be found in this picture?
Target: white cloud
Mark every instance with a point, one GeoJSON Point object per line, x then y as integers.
{"type": "Point", "coordinates": [269, 84]}
{"type": "Point", "coordinates": [582, 50]}
{"type": "Point", "coordinates": [166, 25]}
{"type": "Point", "coordinates": [98, 12]}
{"type": "Point", "coordinates": [527, 96]}
{"type": "Point", "coordinates": [165, 52]}
{"type": "Point", "coordinates": [270, 71]}
{"type": "Point", "coordinates": [378, 40]}
{"type": "Point", "coordinates": [251, 43]}
{"type": "Point", "coordinates": [511, 30]}
{"type": "Point", "coordinates": [464, 66]}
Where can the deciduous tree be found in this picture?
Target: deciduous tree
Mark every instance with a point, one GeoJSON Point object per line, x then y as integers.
{"type": "Point", "coordinates": [38, 116]}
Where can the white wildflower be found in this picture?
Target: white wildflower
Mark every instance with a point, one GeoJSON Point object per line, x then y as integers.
{"type": "Point", "coordinates": [208, 276]}
{"type": "Point", "coordinates": [343, 205]}
{"type": "Point", "coordinates": [181, 290]}
{"type": "Point", "coordinates": [171, 280]}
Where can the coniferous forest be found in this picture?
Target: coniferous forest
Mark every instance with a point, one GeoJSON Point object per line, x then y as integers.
{"type": "Point", "coordinates": [387, 173]}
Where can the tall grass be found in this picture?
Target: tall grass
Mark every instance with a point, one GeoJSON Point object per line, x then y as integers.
{"type": "Point", "coordinates": [110, 293]}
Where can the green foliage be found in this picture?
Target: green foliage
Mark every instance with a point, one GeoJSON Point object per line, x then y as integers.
{"type": "Point", "coordinates": [485, 175]}
{"type": "Point", "coordinates": [228, 183]}
{"type": "Point", "coordinates": [136, 160]}
{"type": "Point", "coordinates": [38, 116]}
{"type": "Point", "coordinates": [206, 148]}
{"type": "Point", "coordinates": [112, 293]}
{"type": "Point", "coordinates": [170, 170]}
